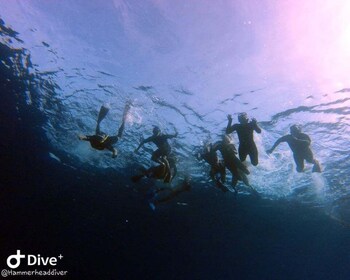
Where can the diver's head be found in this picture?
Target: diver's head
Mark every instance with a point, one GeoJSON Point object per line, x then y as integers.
{"type": "Point", "coordinates": [295, 129]}
{"type": "Point", "coordinates": [156, 130]}
{"type": "Point", "coordinates": [243, 118]}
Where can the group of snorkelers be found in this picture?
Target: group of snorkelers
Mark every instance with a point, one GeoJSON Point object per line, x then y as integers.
{"type": "Point", "coordinates": [166, 170]}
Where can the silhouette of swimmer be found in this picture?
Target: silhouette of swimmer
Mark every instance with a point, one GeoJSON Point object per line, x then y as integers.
{"type": "Point", "coordinates": [101, 140]}
{"type": "Point", "coordinates": [217, 167]}
{"type": "Point", "coordinates": [165, 194]}
{"type": "Point", "coordinates": [161, 172]}
{"type": "Point", "coordinates": [161, 141]}
{"type": "Point", "coordinates": [232, 163]}
{"type": "Point", "coordinates": [299, 143]}
{"type": "Point", "coordinates": [245, 130]}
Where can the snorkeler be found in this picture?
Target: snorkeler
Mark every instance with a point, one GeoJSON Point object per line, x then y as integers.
{"type": "Point", "coordinates": [161, 141]}
{"type": "Point", "coordinates": [217, 167]}
{"type": "Point", "coordinates": [166, 194]}
{"type": "Point", "coordinates": [245, 134]}
{"type": "Point", "coordinates": [299, 143]}
{"type": "Point", "coordinates": [161, 171]}
{"type": "Point", "coordinates": [232, 163]}
{"type": "Point", "coordinates": [101, 140]}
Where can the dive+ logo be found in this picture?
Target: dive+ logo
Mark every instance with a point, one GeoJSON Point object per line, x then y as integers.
{"type": "Point", "coordinates": [14, 261]}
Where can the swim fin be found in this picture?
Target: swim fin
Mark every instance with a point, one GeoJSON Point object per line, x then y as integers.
{"type": "Point", "coordinates": [102, 114]}
{"type": "Point", "coordinates": [126, 110]}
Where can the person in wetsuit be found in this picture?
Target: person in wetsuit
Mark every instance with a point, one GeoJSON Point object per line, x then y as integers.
{"type": "Point", "coordinates": [161, 141]}
{"type": "Point", "coordinates": [299, 143]}
{"type": "Point", "coordinates": [161, 172]}
{"type": "Point", "coordinates": [232, 163]}
{"type": "Point", "coordinates": [245, 130]}
{"type": "Point", "coordinates": [102, 141]}
{"type": "Point", "coordinates": [217, 167]}
{"type": "Point", "coordinates": [164, 149]}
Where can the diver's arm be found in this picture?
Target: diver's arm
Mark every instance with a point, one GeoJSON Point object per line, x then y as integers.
{"type": "Point", "coordinates": [167, 176]}
{"type": "Point", "coordinates": [149, 139]}
{"type": "Point", "coordinates": [229, 128]}
{"type": "Point", "coordinates": [280, 140]}
{"type": "Point", "coordinates": [113, 150]}
{"type": "Point", "coordinates": [255, 125]}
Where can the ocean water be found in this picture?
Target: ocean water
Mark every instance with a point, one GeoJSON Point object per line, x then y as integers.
{"type": "Point", "coordinates": [184, 67]}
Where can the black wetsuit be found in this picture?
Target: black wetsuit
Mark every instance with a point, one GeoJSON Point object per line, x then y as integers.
{"type": "Point", "coordinates": [232, 163]}
{"type": "Point", "coordinates": [246, 140]}
{"type": "Point", "coordinates": [216, 167]}
{"type": "Point", "coordinates": [161, 141]}
{"type": "Point", "coordinates": [300, 146]}
{"type": "Point", "coordinates": [101, 140]}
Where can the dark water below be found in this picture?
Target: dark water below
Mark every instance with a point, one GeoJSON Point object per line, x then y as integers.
{"type": "Point", "coordinates": [106, 230]}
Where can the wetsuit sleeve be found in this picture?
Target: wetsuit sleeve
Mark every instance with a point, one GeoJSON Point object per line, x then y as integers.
{"type": "Point", "coordinates": [231, 128]}
{"type": "Point", "coordinates": [285, 138]}
{"type": "Point", "coordinates": [256, 127]}
{"type": "Point", "coordinates": [149, 139]}
{"type": "Point", "coordinates": [229, 125]}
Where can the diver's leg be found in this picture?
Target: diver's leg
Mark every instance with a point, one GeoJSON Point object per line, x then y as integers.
{"type": "Point", "coordinates": [98, 131]}
{"type": "Point", "coordinates": [310, 159]}
{"type": "Point", "coordinates": [253, 154]}
{"type": "Point", "coordinates": [234, 183]}
{"type": "Point", "coordinates": [243, 152]}
{"type": "Point", "coordinates": [299, 161]}
{"type": "Point", "coordinates": [121, 130]}
{"type": "Point", "coordinates": [111, 140]}
{"type": "Point", "coordinates": [235, 176]}
{"type": "Point", "coordinates": [125, 114]}
{"type": "Point", "coordinates": [212, 173]}
{"type": "Point", "coordinates": [239, 164]}
{"type": "Point", "coordinates": [244, 178]}
{"type": "Point", "coordinates": [113, 150]}
{"type": "Point", "coordinates": [172, 163]}
{"type": "Point", "coordinates": [316, 167]}
{"type": "Point", "coordinates": [222, 170]}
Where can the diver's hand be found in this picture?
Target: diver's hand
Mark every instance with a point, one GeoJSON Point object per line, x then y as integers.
{"type": "Point", "coordinates": [229, 117]}
{"type": "Point", "coordinates": [81, 137]}
{"type": "Point", "coordinates": [254, 121]}
{"type": "Point", "coordinates": [269, 151]}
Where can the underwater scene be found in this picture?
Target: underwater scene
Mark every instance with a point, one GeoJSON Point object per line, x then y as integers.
{"type": "Point", "coordinates": [166, 139]}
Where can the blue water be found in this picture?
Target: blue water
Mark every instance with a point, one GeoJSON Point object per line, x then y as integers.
{"type": "Point", "coordinates": [60, 196]}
